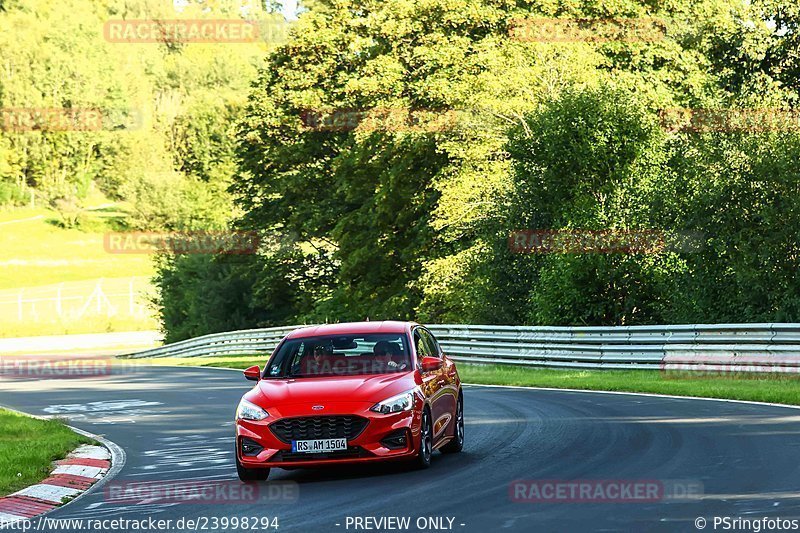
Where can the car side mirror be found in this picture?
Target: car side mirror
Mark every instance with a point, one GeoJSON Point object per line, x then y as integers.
{"type": "Point", "coordinates": [430, 364]}
{"type": "Point", "coordinates": [253, 373]}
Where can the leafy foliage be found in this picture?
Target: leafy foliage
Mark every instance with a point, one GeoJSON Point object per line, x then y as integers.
{"type": "Point", "coordinates": [444, 134]}
{"type": "Point", "coordinates": [551, 136]}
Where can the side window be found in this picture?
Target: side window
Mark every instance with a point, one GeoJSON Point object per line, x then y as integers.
{"type": "Point", "coordinates": [301, 349]}
{"type": "Point", "coordinates": [430, 342]}
{"type": "Point", "coordinates": [423, 348]}
{"type": "Point", "coordinates": [437, 350]}
{"type": "Point", "coordinates": [285, 359]}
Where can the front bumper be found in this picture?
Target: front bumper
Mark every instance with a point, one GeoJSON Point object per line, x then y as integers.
{"type": "Point", "coordinates": [373, 443]}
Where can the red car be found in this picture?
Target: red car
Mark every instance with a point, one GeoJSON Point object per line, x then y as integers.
{"type": "Point", "coordinates": [350, 393]}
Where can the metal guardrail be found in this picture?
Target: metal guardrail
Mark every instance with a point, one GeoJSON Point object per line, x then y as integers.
{"type": "Point", "coordinates": [697, 347]}
{"type": "Point", "coordinates": [244, 342]}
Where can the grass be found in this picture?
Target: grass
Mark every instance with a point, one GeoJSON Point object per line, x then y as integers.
{"type": "Point", "coordinates": [237, 361]}
{"type": "Point", "coordinates": [39, 252]}
{"type": "Point", "coordinates": [39, 255]}
{"type": "Point", "coordinates": [19, 213]}
{"type": "Point", "coordinates": [753, 387]}
{"type": "Point", "coordinates": [23, 464]}
{"type": "Point", "coordinates": [94, 324]}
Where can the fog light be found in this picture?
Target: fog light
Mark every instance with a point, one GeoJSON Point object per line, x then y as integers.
{"type": "Point", "coordinates": [250, 447]}
{"type": "Point", "coordinates": [395, 440]}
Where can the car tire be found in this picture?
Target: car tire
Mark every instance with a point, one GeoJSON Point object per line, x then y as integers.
{"type": "Point", "coordinates": [425, 441]}
{"type": "Point", "coordinates": [250, 474]}
{"type": "Point", "coordinates": [457, 444]}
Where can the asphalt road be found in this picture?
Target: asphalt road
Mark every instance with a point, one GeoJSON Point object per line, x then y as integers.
{"type": "Point", "coordinates": [176, 425]}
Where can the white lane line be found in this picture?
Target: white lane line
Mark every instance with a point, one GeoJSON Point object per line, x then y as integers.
{"type": "Point", "coordinates": [50, 493]}
{"type": "Point", "coordinates": [225, 467]}
{"type": "Point", "coordinates": [643, 394]}
{"type": "Point", "coordinates": [37, 217]}
{"type": "Point", "coordinates": [112, 407]}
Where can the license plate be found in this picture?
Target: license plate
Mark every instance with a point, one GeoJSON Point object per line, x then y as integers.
{"type": "Point", "coordinates": [319, 445]}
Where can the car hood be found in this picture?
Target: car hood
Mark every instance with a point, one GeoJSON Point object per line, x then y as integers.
{"type": "Point", "coordinates": [339, 389]}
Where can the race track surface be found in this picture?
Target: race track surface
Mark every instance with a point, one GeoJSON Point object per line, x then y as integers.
{"type": "Point", "coordinates": [175, 424]}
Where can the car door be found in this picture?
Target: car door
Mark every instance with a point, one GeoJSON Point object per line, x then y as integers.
{"type": "Point", "coordinates": [430, 379]}
{"type": "Point", "coordinates": [441, 396]}
{"type": "Point", "coordinates": [449, 372]}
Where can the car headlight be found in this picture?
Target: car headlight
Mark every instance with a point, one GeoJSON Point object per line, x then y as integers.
{"type": "Point", "coordinates": [250, 411]}
{"type": "Point", "coordinates": [395, 404]}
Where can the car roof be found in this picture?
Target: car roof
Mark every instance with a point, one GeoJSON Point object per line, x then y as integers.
{"type": "Point", "coordinates": [352, 328]}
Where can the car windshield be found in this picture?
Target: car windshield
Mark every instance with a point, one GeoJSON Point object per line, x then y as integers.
{"type": "Point", "coordinates": [340, 355]}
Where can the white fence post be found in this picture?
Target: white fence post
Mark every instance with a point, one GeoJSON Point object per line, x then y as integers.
{"type": "Point", "coordinates": [130, 297]}
{"type": "Point", "coordinates": [74, 300]}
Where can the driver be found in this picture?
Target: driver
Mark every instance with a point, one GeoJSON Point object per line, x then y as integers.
{"type": "Point", "coordinates": [385, 353]}
{"type": "Point", "coordinates": [316, 363]}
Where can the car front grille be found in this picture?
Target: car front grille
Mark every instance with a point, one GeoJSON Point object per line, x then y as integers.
{"type": "Point", "coordinates": [318, 427]}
